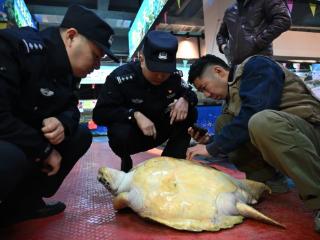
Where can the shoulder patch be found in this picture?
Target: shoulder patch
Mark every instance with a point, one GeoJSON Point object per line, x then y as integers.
{"type": "Point", "coordinates": [178, 73]}
{"type": "Point", "coordinates": [123, 78]}
{"type": "Point", "coordinates": [24, 39]}
{"type": "Point", "coordinates": [32, 46]}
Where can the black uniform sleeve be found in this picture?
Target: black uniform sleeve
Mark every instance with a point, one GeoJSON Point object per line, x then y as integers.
{"type": "Point", "coordinates": [70, 117]}
{"type": "Point", "coordinates": [191, 97]}
{"type": "Point", "coordinates": [12, 129]}
{"type": "Point", "coordinates": [110, 105]}
{"type": "Point", "coordinates": [185, 91]}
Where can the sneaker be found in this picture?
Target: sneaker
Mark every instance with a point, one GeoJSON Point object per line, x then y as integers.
{"type": "Point", "coordinates": [278, 183]}
{"type": "Point", "coordinates": [317, 221]}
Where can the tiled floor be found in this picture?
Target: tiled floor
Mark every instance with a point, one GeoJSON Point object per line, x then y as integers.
{"type": "Point", "coordinates": [90, 214]}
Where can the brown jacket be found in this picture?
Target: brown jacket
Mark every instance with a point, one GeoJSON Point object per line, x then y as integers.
{"type": "Point", "coordinates": [250, 26]}
{"type": "Point", "coordinates": [296, 97]}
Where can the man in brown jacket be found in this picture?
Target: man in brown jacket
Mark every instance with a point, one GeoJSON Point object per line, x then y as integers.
{"type": "Point", "coordinates": [249, 27]}
{"type": "Point", "coordinates": [272, 109]}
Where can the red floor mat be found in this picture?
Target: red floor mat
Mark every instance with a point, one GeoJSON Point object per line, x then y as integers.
{"type": "Point", "coordinates": [90, 214]}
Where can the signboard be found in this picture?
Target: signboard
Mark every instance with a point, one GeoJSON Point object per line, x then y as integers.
{"type": "Point", "coordinates": [145, 18]}
{"type": "Point", "coordinates": [16, 12]}
{"type": "Point", "coordinates": [3, 14]}
{"type": "Point", "coordinates": [22, 15]}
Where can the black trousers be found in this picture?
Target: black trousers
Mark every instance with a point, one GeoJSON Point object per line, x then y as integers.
{"type": "Point", "coordinates": [21, 178]}
{"type": "Point", "coordinates": [127, 138]}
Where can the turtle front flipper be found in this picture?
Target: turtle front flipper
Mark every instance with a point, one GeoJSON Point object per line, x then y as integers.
{"type": "Point", "coordinates": [121, 201]}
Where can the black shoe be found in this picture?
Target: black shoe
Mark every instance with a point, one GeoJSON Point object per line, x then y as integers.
{"type": "Point", "coordinates": [41, 211]}
{"type": "Point", "coordinates": [49, 209]}
{"type": "Point", "coordinates": [126, 164]}
{"type": "Point", "coordinates": [278, 183]}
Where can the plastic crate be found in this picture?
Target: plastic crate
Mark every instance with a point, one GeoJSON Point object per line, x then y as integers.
{"type": "Point", "coordinates": [207, 116]}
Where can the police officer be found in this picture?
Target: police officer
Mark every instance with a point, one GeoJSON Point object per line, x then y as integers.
{"type": "Point", "coordinates": [145, 103]}
{"type": "Point", "coordinates": [40, 137]}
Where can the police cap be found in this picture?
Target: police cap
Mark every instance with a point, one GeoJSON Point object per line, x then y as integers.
{"type": "Point", "coordinates": [160, 49]}
{"type": "Point", "coordinates": [91, 26]}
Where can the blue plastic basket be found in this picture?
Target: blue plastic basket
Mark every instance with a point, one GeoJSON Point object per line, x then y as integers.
{"type": "Point", "coordinates": [207, 116]}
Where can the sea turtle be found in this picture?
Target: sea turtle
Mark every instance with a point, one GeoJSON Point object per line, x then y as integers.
{"type": "Point", "coordinates": [184, 194]}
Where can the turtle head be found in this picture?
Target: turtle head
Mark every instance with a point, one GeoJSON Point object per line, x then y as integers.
{"type": "Point", "coordinates": [110, 178]}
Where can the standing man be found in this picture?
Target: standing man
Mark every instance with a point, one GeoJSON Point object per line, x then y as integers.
{"type": "Point", "coordinates": [249, 27]}
{"type": "Point", "coordinates": [273, 109]}
{"type": "Point", "coordinates": [145, 103]}
{"type": "Point", "coordinates": [40, 137]}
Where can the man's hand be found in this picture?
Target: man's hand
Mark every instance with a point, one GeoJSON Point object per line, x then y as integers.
{"type": "Point", "coordinates": [146, 125]}
{"type": "Point", "coordinates": [53, 130]}
{"type": "Point", "coordinates": [196, 135]}
{"type": "Point", "coordinates": [51, 164]}
{"type": "Point", "coordinates": [179, 110]}
{"type": "Point", "coordinates": [199, 149]}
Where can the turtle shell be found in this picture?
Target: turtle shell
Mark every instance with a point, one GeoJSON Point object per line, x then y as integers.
{"type": "Point", "coordinates": [183, 194]}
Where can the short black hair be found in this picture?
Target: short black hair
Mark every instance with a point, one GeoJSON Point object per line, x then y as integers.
{"type": "Point", "coordinates": [197, 68]}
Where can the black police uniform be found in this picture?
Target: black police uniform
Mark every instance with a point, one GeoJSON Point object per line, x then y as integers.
{"type": "Point", "coordinates": [36, 82]}
{"type": "Point", "coordinates": [125, 91]}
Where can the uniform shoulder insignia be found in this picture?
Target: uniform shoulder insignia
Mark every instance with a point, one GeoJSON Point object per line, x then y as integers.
{"type": "Point", "coordinates": [25, 39]}
{"type": "Point", "coordinates": [178, 73]}
{"type": "Point", "coordinates": [121, 78]}
{"type": "Point", "coordinates": [32, 41]}
{"type": "Point", "coordinates": [32, 45]}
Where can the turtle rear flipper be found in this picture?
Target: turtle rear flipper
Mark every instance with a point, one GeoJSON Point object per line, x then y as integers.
{"type": "Point", "coordinates": [249, 212]}
{"type": "Point", "coordinates": [256, 189]}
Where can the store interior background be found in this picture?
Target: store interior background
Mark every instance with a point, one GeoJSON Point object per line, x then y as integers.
{"type": "Point", "coordinates": [195, 23]}
{"type": "Point", "coordinates": [90, 213]}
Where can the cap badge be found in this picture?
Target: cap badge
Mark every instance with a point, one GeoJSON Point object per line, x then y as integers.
{"type": "Point", "coordinates": [137, 100]}
{"type": "Point", "coordinates": [46, 92]}
{"type": "Point", "coordinates": [163, 56]}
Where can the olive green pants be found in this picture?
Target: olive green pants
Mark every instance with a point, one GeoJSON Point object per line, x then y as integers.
{"type": "Point", "coordinates": [247, 158]}
{"type": "Point", "coordinates": [291, 145]}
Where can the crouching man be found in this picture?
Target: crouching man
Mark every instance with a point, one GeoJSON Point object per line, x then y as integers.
{"type": "Point", "coordinates": [146, 103]}
{"type": "Point", "coordinates": [40, 137]}
{"type": "Point", "coordinates": [271, 109]}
